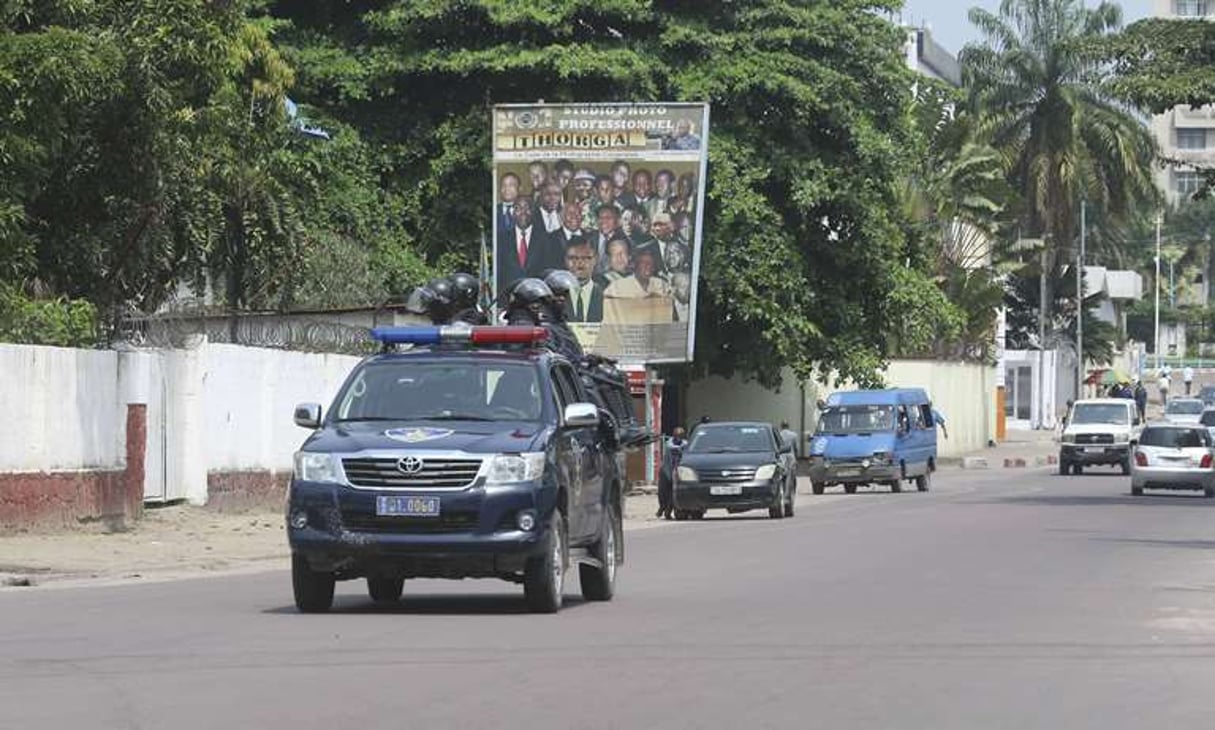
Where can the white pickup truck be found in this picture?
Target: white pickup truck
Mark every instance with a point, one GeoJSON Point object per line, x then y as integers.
{"type": "Point", "coordinates": [1099, 431]}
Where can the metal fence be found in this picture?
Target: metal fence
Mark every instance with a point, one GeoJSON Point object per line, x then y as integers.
{"type": "Point", "coordinates": [278, 331]}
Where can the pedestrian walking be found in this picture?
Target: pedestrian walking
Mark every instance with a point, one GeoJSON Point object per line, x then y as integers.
{"type": "Point", "coordinates": [1187, 376]}
{"type": "Point", "coordinates": [671, 454]}
{"type": "Point", "coordinates": [1141, 399]}
{"type": "Point", "coordinates": [1165, 372]}
{"type": "Point", "coordinates": [789, 436]}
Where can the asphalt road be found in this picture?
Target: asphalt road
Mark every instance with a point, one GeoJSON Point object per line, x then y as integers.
{"type": "Point", "coordinates": [999, 600]}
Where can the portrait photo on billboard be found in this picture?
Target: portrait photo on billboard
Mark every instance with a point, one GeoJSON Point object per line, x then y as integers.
{"type": "Point", "coordinates": [619, 210]}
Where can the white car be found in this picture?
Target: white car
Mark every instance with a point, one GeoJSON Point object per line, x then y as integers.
{"type": "Point", "coordinates": [1099, 431]}
{"type": "Point", "coordinates": [1174, 456]}
{"type": "Point", "coordinates": [1208, 419]}
{"type": "Point", "coordinates": [1184, 410]}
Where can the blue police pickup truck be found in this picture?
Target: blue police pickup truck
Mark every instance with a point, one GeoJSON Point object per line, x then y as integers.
{"type": "Point", "coordinates": [457, 453]}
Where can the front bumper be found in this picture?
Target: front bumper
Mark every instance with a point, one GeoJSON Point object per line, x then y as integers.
{"type": "Point", "coordinates": [1094, 454]}
{"type": "Point", "coordinates": [698, 496]}
{"type": "Point", "coordinates": [475, 534]}
{"type": "Point", "coordinates": [1148, 477]}
{"type": "Point", "coordinates": [851, 473]}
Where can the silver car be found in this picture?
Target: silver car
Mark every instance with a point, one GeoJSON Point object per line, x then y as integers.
{"type": "Point", "coordinates": [1183, 410]}
{"type": "Point", "coordinates": [1174, 456]}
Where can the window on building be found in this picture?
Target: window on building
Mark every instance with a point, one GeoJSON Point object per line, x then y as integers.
{"type": "Point", "coordinates": [1191, 8]}
{"type": "Point", "coordinates": [1191, 139]}
{"type": "Point", "coordinates": [1188, 181]}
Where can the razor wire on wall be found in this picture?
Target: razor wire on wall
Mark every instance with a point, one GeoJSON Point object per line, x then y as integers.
{"type": "Point", "coordinates": [283, 332]}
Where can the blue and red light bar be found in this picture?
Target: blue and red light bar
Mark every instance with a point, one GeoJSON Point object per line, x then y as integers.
{"type": "Point", "coordinates": [482, 335]}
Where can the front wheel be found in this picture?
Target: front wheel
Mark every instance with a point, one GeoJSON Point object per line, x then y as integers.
{"type": "Point", "coordinates": [599, 583]}
{"type": "Point", "coordinates": [544, 574]}
{"type": "Point", "coordinates": [817, 487]}
{"type": "Point", "coordinates": [896, 485]}
{"type": "Point", "coordinates": [849, 489]}
{"type": "Point", "coordinates": [313, 589]}
{"type": "Point", "coordinates": [923, 481]}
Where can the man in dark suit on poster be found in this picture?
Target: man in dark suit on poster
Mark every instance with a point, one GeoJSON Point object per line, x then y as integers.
{"type": "Point", "coordinates": [586, 303]}
{"type": "Point", "coordinates": [526, 249]}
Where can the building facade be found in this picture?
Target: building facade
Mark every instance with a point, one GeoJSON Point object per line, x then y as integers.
{"type": "Point", "coordinates": [1183, 133]}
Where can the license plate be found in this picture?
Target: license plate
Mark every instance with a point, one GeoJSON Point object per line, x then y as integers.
{"type": "Point", "coordinates": [725, 491]}
{"type": "Point", "coordinates": [848, 472]}
{"type": "Point", "coordinates": [1094, 450]}
{"type": "Point", "coordinates": [391, 506]}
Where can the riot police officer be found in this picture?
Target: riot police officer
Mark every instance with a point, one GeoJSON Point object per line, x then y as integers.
{"type": "Point", "coordinates": [466, 296]}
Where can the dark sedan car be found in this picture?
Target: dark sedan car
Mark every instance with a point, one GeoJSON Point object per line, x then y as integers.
{"type": "Point", "coordinates": [736, 467]}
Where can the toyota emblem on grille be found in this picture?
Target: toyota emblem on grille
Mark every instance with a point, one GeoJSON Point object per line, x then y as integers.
{"type": "Point", "coordinates": [409, 465]}
{"type": "Point", "coordinates": [725, 473]}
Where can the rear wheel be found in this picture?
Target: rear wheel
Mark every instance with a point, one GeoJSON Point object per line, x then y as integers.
{"type": "Point", "coordinates": [385, 590]}
{"type": "Point", "coordinates": [599, 583]}
{"type": "Point", "coordinates": [544, 574]}
{"type": "Point", "coordinates": [1077, 469]}
{"type": "Point", "coordinates": [850, 489]}
{"type": "Point", "coordinates": [817, 487]}
{"type": "Point", "coordinates": [923, 481]}
{"type": "Point", "coordinates": [313, 589]}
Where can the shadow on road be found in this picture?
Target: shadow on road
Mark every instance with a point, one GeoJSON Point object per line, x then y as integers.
{"type": "Point", "coordinates": [500, 604]}
{"type": "Point", "coordinates": [1155, 542]}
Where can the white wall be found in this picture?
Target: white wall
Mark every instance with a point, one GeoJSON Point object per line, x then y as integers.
{"type": "Point", "coordinates": [963, 392]}
{"type": "Point", "coordinates": [61, 409]}
{"type": "Point", "coordinates": [249, 395]}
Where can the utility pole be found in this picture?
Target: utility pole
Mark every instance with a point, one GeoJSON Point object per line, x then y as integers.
{"type": "Point", "coordinates": [1156, 334]}
{"type": "Point", "coordinates": [1042, 344]}
{"type": "Point", "coordinates": [1080, 302]}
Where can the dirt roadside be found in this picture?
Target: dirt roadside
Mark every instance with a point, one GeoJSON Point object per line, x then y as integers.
{"type": "Point", "coordinates": [174, 542]}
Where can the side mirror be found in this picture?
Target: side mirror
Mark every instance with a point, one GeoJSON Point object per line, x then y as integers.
{"type": "Point", "coordinates": [308, 415]}
{"type": "Point", "coordinates": [581, 415]}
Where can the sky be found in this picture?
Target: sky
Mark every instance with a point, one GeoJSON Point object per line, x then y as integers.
{"type": "Point", "coordinates": [952, 30]}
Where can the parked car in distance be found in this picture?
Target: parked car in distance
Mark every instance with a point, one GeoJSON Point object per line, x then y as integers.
{"type": "Point", "coordinates": [1184, 410]}
{"type": "Point", "coordinates": [1099, 431]}
{"type": "Point", "coordinates": [1208, 419]}
{"type": "Point", "coordinates": [1207, 395]}
{"type": "Point", "coordinates": [737, 467]}
{"type": "Point", "coordinates": [1174, 456]}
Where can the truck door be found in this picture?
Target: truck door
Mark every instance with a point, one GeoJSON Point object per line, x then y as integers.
{"type": "Point", "coordinates": [584, 449]}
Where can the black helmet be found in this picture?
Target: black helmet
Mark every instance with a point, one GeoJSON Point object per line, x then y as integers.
{"type": "Point", "coordinates": [529, 292]}
{"type": "Point", "coordinates": [561, 282]}
{"type": "Point", "coordinates": [442, 289]}
{"type": "Point", "coordinates": [420, 300]}
{"type": "Point", "coordinates": [465, 289]}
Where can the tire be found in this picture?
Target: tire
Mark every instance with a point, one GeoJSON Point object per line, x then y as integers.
{"type": "Point", "coordinates": [896, 486]}
{"type": "Point", "coordinates": [1209, 492]}
{"type": "Point", "coordinates": [385, 590]}
{"type": "Point", "coordinates": [817, 487]}
{"type": "Point", "coordinates": [697, 514]}
{"type": "Point", "coordinates": [849, 489]}
{"type": "Point", "coordinates": [681, 515]}
{"type": "Point", "coordinates": [544, 574]}
{"type": "Point", "coordinates": [924, 481]}
{"type": "Point", "coordinates": [789, 503]}
{"type": "Point", "coordinates": [599, 584]}
{"type": "Point", "coordinates": [1126, 466]}
{"type": "Point", "coordinates": [1136, 491]}
{"type": "Point", "coordinates": [1077, 469]}
{"type": "Point", "coordinates": [1065, 468]}
{"type": "Point", "coordinates": [313, 589]}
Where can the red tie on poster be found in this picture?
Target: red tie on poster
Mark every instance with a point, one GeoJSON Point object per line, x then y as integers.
{"type": "Point", "coordinates": [522, 249]}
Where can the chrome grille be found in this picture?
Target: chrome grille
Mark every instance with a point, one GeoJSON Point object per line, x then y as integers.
{"type": "Point", "coordinates": [727, 476]}
{"type": "Point", "coordinates": [1094, 438]}
{"type": "Point", "coordinates": [435, 472]}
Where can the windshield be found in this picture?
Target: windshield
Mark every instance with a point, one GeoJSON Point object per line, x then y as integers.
{"type": "Point", "coordinates": [856, 419]}
{"type": "Point", "coordinates": [1114, 414]}
{"type": "Point", "coordinates": [1175, 438]}
{"type": "Point", "coordinates": [457, 391]}
{"type": "Point", "coordinates": [724, 439]}
{"type": "Point", "coordinates": [1184, 407]}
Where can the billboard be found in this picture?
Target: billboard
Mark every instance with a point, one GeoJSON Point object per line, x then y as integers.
{"type": "Point", "coordinates": [614, 193]}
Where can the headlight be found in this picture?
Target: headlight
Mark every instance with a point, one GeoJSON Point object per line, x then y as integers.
{"type": "Point", "coordinates": [508, 468]}
{"type": "Point", "coordinates": [686, 474]}
{"type": "Point", "coordinates": [881, 457]}
{"type": "Point", "coordinates": [313, 467]}
{"type": "Point", "coordinates": [1068, 438]}
{"type": "Point", "coordinates": [767, 471]}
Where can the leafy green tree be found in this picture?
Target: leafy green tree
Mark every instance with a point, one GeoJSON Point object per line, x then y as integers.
{"type": "Point", "coordinates": [1037, 84]}
{"type": "Point", "coordinates": [809, 137]}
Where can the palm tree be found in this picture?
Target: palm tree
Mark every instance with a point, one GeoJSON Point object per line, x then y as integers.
{"type": "Point", "coordinates": [1035, 85]}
